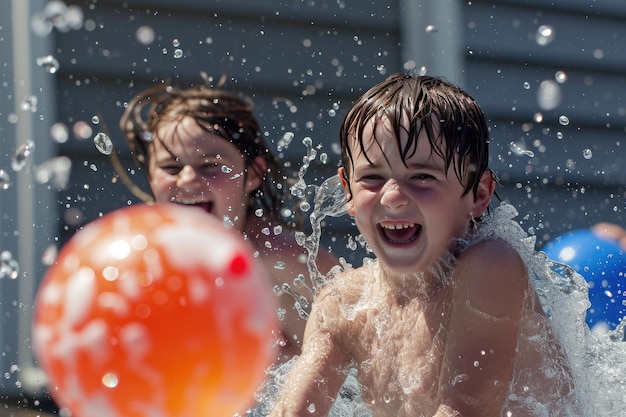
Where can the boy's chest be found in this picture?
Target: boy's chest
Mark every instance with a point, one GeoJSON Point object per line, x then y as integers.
{"type": "Point", "coordinates": [399, 353]}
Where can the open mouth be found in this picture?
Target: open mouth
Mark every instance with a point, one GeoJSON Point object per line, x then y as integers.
{"type": "Point", "coordinates": [400, 233]}
{"type": "Point", "coordinates": [204, 205]}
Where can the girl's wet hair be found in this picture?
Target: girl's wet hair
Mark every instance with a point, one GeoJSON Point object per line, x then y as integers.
{"type": "Point", "coordinates": [217, 111]}
{"type": "Point", "coordinates": [454, 124]}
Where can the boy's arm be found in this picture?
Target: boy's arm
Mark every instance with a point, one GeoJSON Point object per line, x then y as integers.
{"type": "Point", "coordinates": [319, 372]}
{"type": "Point", "coordinates": [491, 283]}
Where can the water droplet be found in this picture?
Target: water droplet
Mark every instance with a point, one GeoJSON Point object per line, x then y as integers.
{"type": "Point", "coordinates": [587, 154]}
{"type": "Point", "coordinates": [560, 77]}
{"type": "Point", "coordinates": [175, 43]}
{"type": "Point", "coordinates": [549, 95]}
{"type": "Point", "coordinates": [18, 160]}
{"type": "Point", "coordinates": [538, 117]}
{"type": "Point", "coordinates": [103, 143]}
{"type": "Point", "coordinates": [285, 141]}
{"type": "Point", "coordinates": [258, 212]}
{"type": "Point", "coordinates": [49, 255]}
{"type": "Point", "coordinates": [545, 34]}
{"type": "Point", "coordinates": [29, 104]}
{"type": "Point", "coordinates": [278, 230]}
{"type": "Point", "coordinates": [431, 29]}
{"type": "Point", "coordinates": [95, 120]}
{"type": "Point", "coordinates": [279, 265]}
{"type": "Point", "coordinates": [55, 171]}
{"type": "Point", "coordinates": [526, 85]}
{"type": "Point", "coordinates": [147, 136]}
{"type": "Point", "coordinates": [559, 135]}
{"type": "Point", "coordinates": [422, 71]}
{"type": "Point", "coordinates": [81, 130]}
{"type": "Point", "coordinates": [145, 35]}
{"type": "Point", "coordinates": [59, 133]}
{"type": "Point", "coordinates": [520, 149]}
{"type": "Point", "coordinates": [324, 158]}
{"type": "Point", "coordinates": [9, 267]}
{"type": "Point", "coordinates": [110, 380]}
{"type": "Point", "coordinates": [305, 206]}
{"type": "Point", "coordinates": [311, 408]}
{"type": "Point", "coordinates": [48, 63]}
{"type": "Point", "coordinates": [178, 53]}
{"type": "Point", "coordinates": [226, 169]}
{"type": "Point", "coordinates": [5, 180]}
{"type": "Point", "coordinates": [563, 120]}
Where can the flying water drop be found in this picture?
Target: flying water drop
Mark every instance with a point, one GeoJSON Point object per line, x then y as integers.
{"type": "Point", "coordinates": [103, 143]}
{"type": "Point", "coordinates": [545, 35]}
{"type": "Point", "coordinates": [549, 95]}
{"type": "Point", "coordinates": [18, 160]}
{"type": "Point", "coordinates": [5, 180]}
{"type": "Point", "coordinates": [49, 63]}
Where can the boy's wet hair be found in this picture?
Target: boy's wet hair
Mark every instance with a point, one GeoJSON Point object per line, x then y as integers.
{"type": "Point", "coordinates": [217, 111]}
{"type": "Point", "coordinates": [454, 123]}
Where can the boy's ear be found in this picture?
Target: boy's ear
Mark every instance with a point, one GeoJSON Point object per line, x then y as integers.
{"type": "Point", "coordinates": [255, 174]}
{"type": "Point", "coordinates": [485, 190]}
{"type": "Point", "coordinates": [346, 190]}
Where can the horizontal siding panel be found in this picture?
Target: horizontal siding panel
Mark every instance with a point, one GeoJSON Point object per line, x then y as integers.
{"type": "Point", "coordinates": [555, 160]}
{"type": "Point", "coordinates": [279, 56]}
{"type": "Point", "coordinates": [615, 8]}
{"type": "Point", "coordinates": [375, 15]}
{"type": "Point", "coordinates": [589, 98]}
{"type": "Point", "coordinates": [508, 32]}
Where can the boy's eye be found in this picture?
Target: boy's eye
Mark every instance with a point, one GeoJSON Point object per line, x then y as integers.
{"type": "Point", "coordinates": [370, 177]}
{"type": "Point", "coordinates": [423, 177]}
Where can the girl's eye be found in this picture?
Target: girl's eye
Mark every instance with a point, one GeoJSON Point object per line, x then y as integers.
{"type": "Point", "coordinates": [171, 169]}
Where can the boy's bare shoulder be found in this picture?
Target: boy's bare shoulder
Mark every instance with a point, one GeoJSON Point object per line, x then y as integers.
{"type": "Point", "coordinates": [493, 276]}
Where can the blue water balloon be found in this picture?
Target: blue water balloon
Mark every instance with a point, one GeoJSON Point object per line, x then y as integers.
{"type": "Point", "coordinates": [602, 262]}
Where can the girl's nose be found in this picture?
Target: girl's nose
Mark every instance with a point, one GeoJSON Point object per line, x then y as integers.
{"type": "Point", "coordinates": [187, 177]}
{"type": "Point", "coordinates": [393, 195]}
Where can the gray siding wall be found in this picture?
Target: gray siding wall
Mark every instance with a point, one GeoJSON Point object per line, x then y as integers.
{"type": "Point", "coordinates": [558, 188]}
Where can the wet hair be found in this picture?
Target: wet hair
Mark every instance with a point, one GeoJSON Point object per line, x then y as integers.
{"type": "Point", "coordinates": [218, 112]}
{"type": "Point", "coordinates": [454, 124]}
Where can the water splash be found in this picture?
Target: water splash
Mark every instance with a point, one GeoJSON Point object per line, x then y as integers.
{"type": "Point", "coordinates": [9, 267]}
{"type": "Point", "coordinates": [329, 201]}
{"type": "Point", "coordinates": [56, 15]}
{"type": "Point", "coordinates": [103, 143]}
{"type": "Point", "coordinates": [49, 63]}
{"type": "Point", "coordinates": [5, 180]}
{"type": "Point", "coordinates": [55, 171]}
{"type": "Point", "coordinates": [21, 154]}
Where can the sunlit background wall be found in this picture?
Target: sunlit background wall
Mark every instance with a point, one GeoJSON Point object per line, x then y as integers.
{"type": "Point", "coordinates": [550, 76]}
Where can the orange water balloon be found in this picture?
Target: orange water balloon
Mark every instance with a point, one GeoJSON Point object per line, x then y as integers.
{"type": "Point", "coordinates": [155, 310]}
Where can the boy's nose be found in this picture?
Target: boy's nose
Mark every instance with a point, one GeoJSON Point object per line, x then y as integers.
{"type": "Point", "coordinates": [393, 196]}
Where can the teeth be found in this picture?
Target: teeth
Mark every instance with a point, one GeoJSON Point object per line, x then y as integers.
{"type": "Point", "coordinates": [397, 226]}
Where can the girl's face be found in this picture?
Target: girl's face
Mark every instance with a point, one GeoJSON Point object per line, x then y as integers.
{"type": "Point", "coordinates": [188, 165]}
{"type": "Point", "coordinates": [408, 211]}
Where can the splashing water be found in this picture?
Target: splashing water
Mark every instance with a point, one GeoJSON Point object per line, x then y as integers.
{"type": "Point", "coordinates": [103, 143]}
{"type": "Point", "coordinates": [55, 171]}
{"type": "Point", "coordinates": [49, 63]}
{"type": "Point", "coordinates": [5, 180]}
{"type": "Point", "coordinates": [21, 154]}
{"type": "Point", "coordinates": [329, 201]}
{"type": "Point", "coordinates": [598, 361]}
